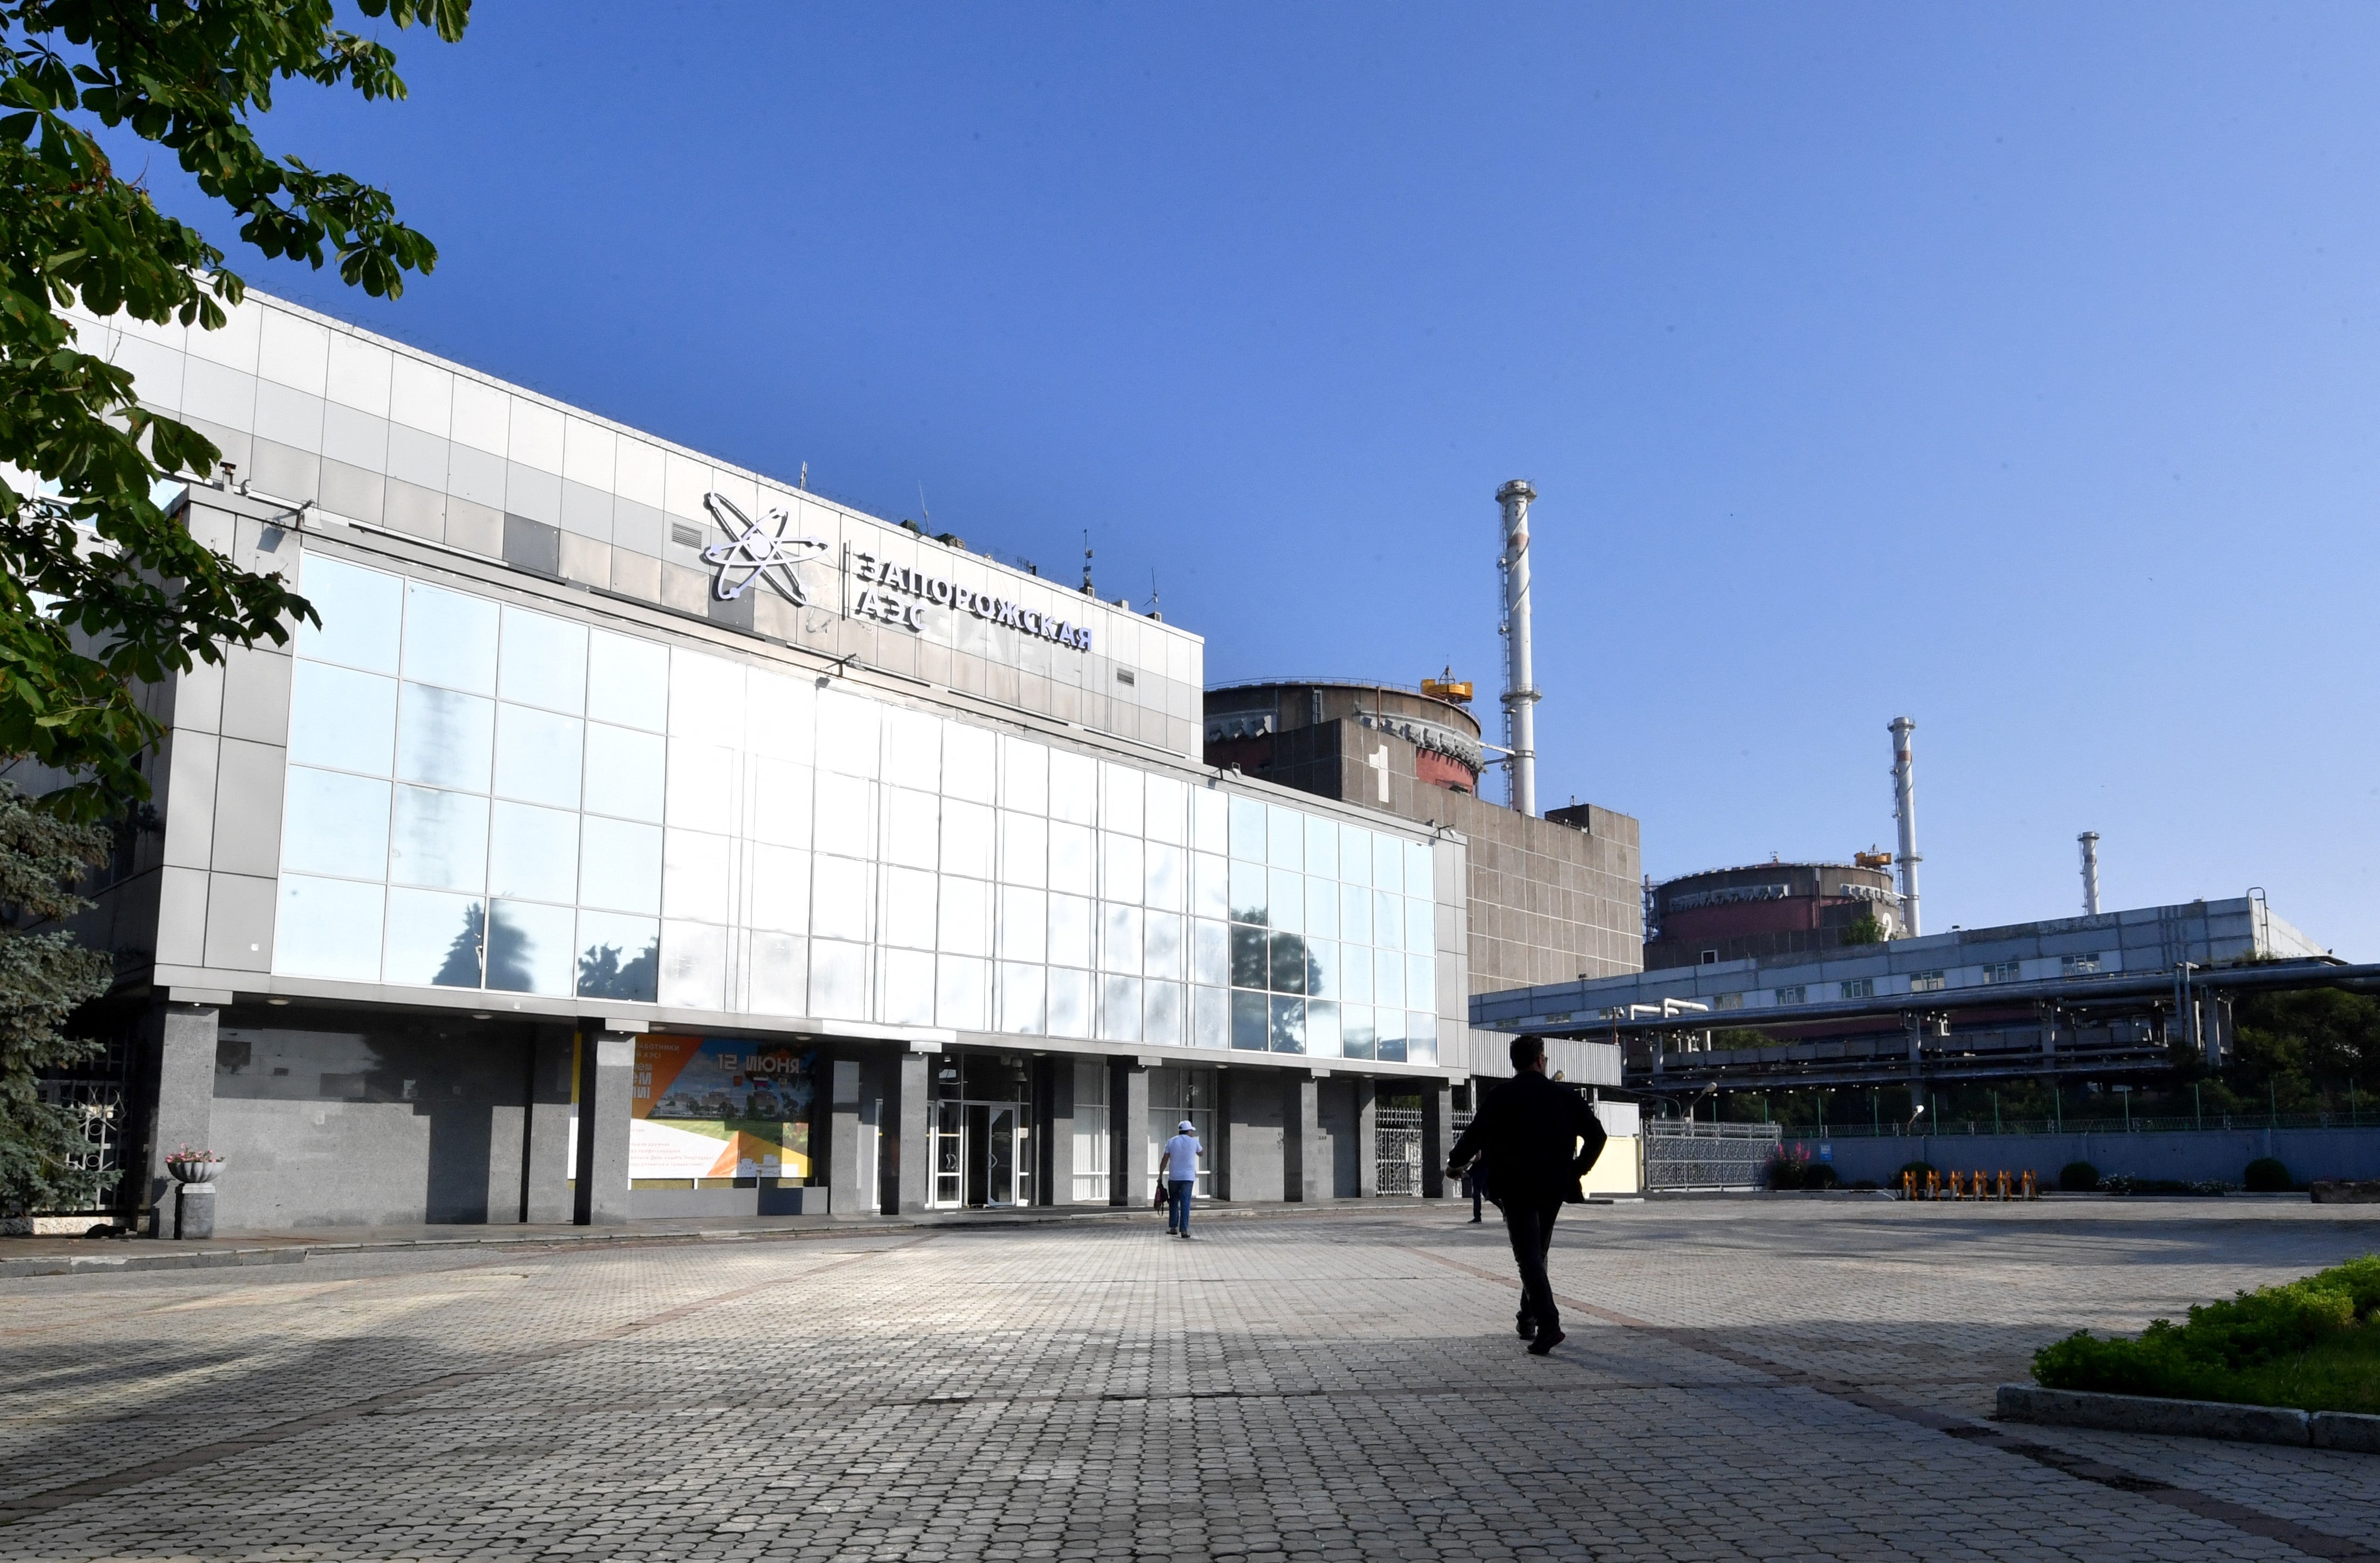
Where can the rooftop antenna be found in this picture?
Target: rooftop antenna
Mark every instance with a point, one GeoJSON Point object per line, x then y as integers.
{"type": "Point", "coordinates": [805, 483]}
{"type": "Point", "coordinates": [923, 514]}
{"type": "Point", "coordinates": [1152, 597]}
{"type": "Point", "coordinates": [1087, 588]}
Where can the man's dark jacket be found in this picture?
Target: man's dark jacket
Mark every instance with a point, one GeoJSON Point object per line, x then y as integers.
{"type": "Point", "coordinates": [1529, 1128]}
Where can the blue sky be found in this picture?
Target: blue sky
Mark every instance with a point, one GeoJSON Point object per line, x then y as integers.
{"type": "Point", "coordinates": [2010, 367]}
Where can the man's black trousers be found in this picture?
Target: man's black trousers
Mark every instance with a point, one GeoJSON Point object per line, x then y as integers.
{"type": "Point", "coordinates": [1530, 1226]}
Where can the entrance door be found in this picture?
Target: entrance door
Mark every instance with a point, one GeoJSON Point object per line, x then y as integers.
{"type": "Point", "coordinates": [978, 1154]}
{"type": "Point", "coordinates": [991, 1154]}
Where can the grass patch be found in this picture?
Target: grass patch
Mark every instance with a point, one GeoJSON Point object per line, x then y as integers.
{"type": "Point", "coordinates": [2313, 1343]}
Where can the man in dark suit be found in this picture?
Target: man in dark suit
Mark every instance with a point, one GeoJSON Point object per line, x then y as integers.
{"type": "Point", "coordinates": [1542, 1138]}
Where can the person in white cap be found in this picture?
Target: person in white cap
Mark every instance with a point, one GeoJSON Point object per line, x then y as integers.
{"type": "Point", "coordinates": [1178, 1166]}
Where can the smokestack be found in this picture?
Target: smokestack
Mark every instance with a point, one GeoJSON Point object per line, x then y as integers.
{"type": "Point", "coordinates": [1904, 808]}
{"type": "Point", "coordinates": [2090, 840]}
{"type": "Point", "coordinates": [1520, 684]}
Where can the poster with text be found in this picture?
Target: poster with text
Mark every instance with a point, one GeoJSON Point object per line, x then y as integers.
{"type": "Point", "coordinates": [720, 1107]}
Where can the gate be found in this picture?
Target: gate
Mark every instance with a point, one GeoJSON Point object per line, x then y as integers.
{"type": "Point", "coordinates": [1397, 1136]}
{"type": "Point", "coordinates": [1683, 1154]}
{"type": "Point", "coordinates": [98, 1091]}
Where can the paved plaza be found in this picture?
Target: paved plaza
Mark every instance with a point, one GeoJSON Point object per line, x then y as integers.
{"type": "Point", "coordinates": [1742, 1379]}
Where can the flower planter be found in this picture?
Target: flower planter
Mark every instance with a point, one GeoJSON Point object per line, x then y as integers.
{"type": "Point", "coordinates": [194, 1171]}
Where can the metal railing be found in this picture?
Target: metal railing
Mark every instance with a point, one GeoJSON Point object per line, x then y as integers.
{"type": "Point", "coordinates": [1684, 1153]}
{"type": "Point", "coordinates": [1396, 1133]}
{"type": "Point", "coordinates": [2212, 1123]}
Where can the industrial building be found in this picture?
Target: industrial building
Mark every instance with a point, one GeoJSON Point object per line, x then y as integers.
{"type": "Point", "coordinates": [1768, 910]}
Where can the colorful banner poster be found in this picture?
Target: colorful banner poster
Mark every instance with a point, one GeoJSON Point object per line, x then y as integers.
{"type": "Point", "coordinates": [720, 1107]}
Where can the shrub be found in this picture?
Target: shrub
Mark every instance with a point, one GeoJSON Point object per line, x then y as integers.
{"type": "Point", "coordinates": [2191, 1359]}
{"type": "Point", "coordinates": [2267, 1175]}
{"type": "Point", "coordinates": [1920, 1168]}
{"type": "Point", "coordinates": [1788, 1167]}
{"type": "Point", "coordinates": [2078, 1176]}
{"type": "Point", "coordinates": [1821, 1176]}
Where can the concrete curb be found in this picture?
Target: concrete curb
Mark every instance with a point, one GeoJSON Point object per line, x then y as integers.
{"type": "Point", "coordinates": [2189, 1419]}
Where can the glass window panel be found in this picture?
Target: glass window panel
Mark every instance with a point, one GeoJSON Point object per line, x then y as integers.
{"type": "Point", "coordinates": [907, 976]}
{"type": "Point", "coordinates": [1248, 829]}
{"type": "Point", "coordinates": [1161, 1017]}
{"type": "Point", "coordinates": [1323, 976]}
{"type": "Point", "coordinates": [1023, 776]}
{"type": "Point", "coordinates": [838, 899]}
{"type": "Point", "coordinates": [781, 803]}
{"type": "Point", "coordinates": [1163, 873]}
{"type": "Point", "coordinates": [1421, 1037]}
{"type": "Point", "coordinates": [544, 662]}
{"type": "Point", "coordinates": [1418, 930]}
{"type": "Point", "coordinates": [1248, 892]}
{"type": "Point", "coordinates": [328, 928]}
{"type": "Point", "coordinates": [1388, 1036]}
{"type": "Point", "coordinates": [360, 610]}
{"type": "Point", "coordinates": [1388, 864]}
{"type": "Point", "coordinates": [1070, 930]}
{"type": "Point", "coordinates": [1120, 868]}
{"type": "Point", "coordinates": [706, 699]}
{"type": "Point", "coordinates": [1322, 906]}
{"type": "Point", "coordinates": [1070, 1002]}
{"type": "Point", "coordinates": [1387, 979]}
{"type": "Point", "coordinates": [619, 957]}
{"type": "Point", "coordinates": [1287, 955]}
{"type": "Point", "coordinates": [1210, 887]}
{"type": "Point", "coordinates": [966, 918]}
{"type": "Point", "coordinates": [913, 749]}
{"type": "Point", "coordinates": [538, 756]}
{"type": "Point", "coordinates": [838, 979]}
{"type": "Point", "coordinates": [1356, 1033]}
{"type": "Point", "coordinates": [1023, 849]}
{"type": "Point", "coordinates": [1073, 788]}
{"type": "Point", "coordinates": [1321, 847]}
{"type": "Point", "coordinates": [968, 764]}
{"type": "Point", "coordinates": [1120, 1008]}
{"type": "Point", "coordinates": [776, 974]}
{"type": "Point", "coordinates": [846, 740]}
{"type": "Point", "coordinates": [1285, 837]}
{"type": "Point", "coordinates": [625, 772]}
{"type": "Point", "coordinates": [628, 681]}
{"type": "Point", "coordinates": [433, 938]}
{"type": "Point", "coordinates": [1210, 953]}
{"type": "Point", "coordinates": [909, 919]}
{"type": "Point", "coordinates": [1210, 1017]}
{"type": "Point", "coordinates": [533, 855]}
{"type": "Point", "coordinates": [967, 838]}
{"type": "Point", "coordinates": [1210, 820]}
{"type": "Point", "coordinates": [1418, 860]}
{"type": "Point", "coordinates": [344, 720]}
{"type": "Point", "coordinates": [1322, 1028]}
{"type": "Point", "coordinates": [1251, 956]}
{"type": "Point", "coordinates": [620, 865]}
{"type": "Point", "coordinates": [1251, 1022]}
{"type": "Point", "coordinates": [1285, 905]}
{"type": "Point", "coordinates": [1355, 972]}
{"type": "Point", "coordinates": [1071, 865]}
{"type": "Point", "coordinates": [438, 841]}
{"type": "Point", "coordinates": [962, 993]}
{"type": "Point", "coordinates": [778, 886]}
{"type": "Point", "coordinates": [701, 785]}
{"type": "Point", "coordinates": [1164, 811]}
{"type": "Point", "coordinates": [1024, 924]}
{"type": "Point", "coordinates": [1387, 920]}
{"type": "Point", "coordinates": [1354, 854]}
{"type": "Point", "coordinates": [1288, 1032]}
{"type": "Point", "coordinates": [450, 639]}
{"type": "Point", "coordinates": [694, 880]}
{"type": "Point", "coordinates": [780, 716]}
{"type": "Point", "coordinates": [1421, 982]}
{"type": "Point", "coordinates": [912, 828]}
{"type": "Point", "coordinates": [1163, 946]}
{"type": "Point", "coordinates": [445, 739]}
{"type": "Point", "coordinates": [1120, 799]}
{"type": "Point", "coordinates": [845, 814]}
{"type": "Point", "coordinates": [334, 824]}
{"type": "Point", "coordinates": [1354, 914]}
{"type": "Point", "coordinates": [531, 949]}
{"type": "Point", "coordinates": [1021, 990]}
{"type": "Point", "coordinates": [1120, 939]}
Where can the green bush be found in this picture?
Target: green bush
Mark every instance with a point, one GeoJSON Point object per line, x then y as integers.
{"type": "Point", "coordinates": [1788, 1167]}
{"type": "Point", "coordinates": [2267, 1175]}
{"type": "Point", "coordinates": [2078, 1176]}
{"type": "Point", "coordinates": [1820, 1175]}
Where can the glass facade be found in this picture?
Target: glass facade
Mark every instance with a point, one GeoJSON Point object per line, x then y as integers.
{"type": "Point", "coordinates": [480, 796]}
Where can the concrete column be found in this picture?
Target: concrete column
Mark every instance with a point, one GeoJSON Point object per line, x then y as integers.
{"type": "Point", "coordinates": [1303, 1159]}
{"type": "Point", "coordinates": [181, 1088]}
{"type": "Point", "coordinates": [909, 1142]}
{"type": "Point", "coordinates": [845, 1169]}
{"type": "Point", "coordinates": [546, 1199]}
{"type": "Point", "coordinates": [1367, 1139]}
{"type": "Point", "coordinates": [1128, 1182]}
{"type": "Point", "coordinates": [607, 1074]}
{"type": "Point", "coordinates": [1219, 1156]}
{"type": "Point", "coordinates": [1437, 1136]}
{"type": "Point", "coordinates": [1057, 1166]}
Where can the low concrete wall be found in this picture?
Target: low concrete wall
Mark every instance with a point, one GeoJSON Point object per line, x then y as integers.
{"type": "Point", "coordinates": [2225, 1153]}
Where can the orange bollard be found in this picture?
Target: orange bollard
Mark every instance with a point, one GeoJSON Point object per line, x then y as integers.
{"type": "Point", "coordinates": [1932, 1185]}
{"type": "Point", "coordinates": [2031, 1191]}
{"type": "Point", "coordinates": [1909, 1186]}
{"type": "Point", "coordinates": [1983, 1185]}
{"type": "Point", "coordinates": [2004, 1186]}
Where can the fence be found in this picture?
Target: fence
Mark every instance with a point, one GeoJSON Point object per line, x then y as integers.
{"type": "Point", "coordinates": [1397, 1155]}
{"type": "Point", "coordinates": [1682, 1153]}
{"type": "Point", "coordinates": [2212, 1123]}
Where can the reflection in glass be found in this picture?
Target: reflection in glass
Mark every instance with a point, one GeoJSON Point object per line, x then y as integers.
{"type": "Point", "coordinates": [779, 885]}
{"type": "Point", "coordinates": [1248, 892]}
{"type": "Point", "coordinates": [1354, 915]}
{"type": "Point", "coordinates": [912, 828]}
{"type": "Point", "coordinates": [838, 979]}
{"type": "Point", "coordinates": [1161, 1013]}
{"type": "Point", "coordinates": [1210, 820]}
{"type": "Point", "coordinates": [967, 763]}
{"type": "Point", "coordinates": [1387, 920]}
{"type": "Point", "coordinates": [1251, 956]}
{"type": "Point", "coordinates": [844, 813]}
{"type": "Point", "coordinates": [1355, 972]}
{"type": "Point", "coordinates": [1322, 968]}
{"type": "Point", "coordinates": [1421, 982]}
{"type": "Point", "coordinates": [838, 903]}
{"type": "Point", "coordinates": [1388, 1035]}
{"type": "Point", "coordinates": [1247, 830]}
{"type": "Point", "coordinates": [1388, 864]}
{"type": "Point", "coordinates": [334, 824]}
{"type": "Point", "coordinates": [620, 865]}
{"type": "Point", "coordinates": [1355, 1035]}
{"type": "Point", "coordinates": [1286, 900]}
{"type": "Point", "coordinates": [1120, 939]}
{"type": "Point", "coordinates": [1020, 999]}
{"type": "Point", "coordinates": [1164, 818]}
{"type": "Point", "coordinates": [1070, 1002]}
{"type": "Point", "coordinates": [906, 979]}
{"type": "Point", "coordinates": [1421, 1037]}
{"type": "Point", "coordinates": [619, 957]}
{"type": "Point", "coordinates": [908, 920]}
{"type": "Point", "coordinates": [1285, 837]}
{"type": "Point", "coordinates": [1322, 1028]}
{"type": "Point", "coordinates": [1070, 858]}
{"type": "Point", "coordinates": [1210, 1017]}
{"type": "Point", "coordinates": [1120, 868]}
{"type": "Point", "coordinates": [533, 855]}
{"type": "Point", "coordinates": [1120, 799]}
{"type": "Point", "coordinates": [1210, 890]}
{"type": "Point", "coordinates": [965, 921]}
{"type": "Point", "coordinates": [694, 879]}
{"type": "Point", "coordinates": [438, 841]}
{"type": "Point", "coordinates": [1120, 1008]}
{"type": "Point", "coordinates": [1322, 907]}
{"type": "Point", "coordinates": [537, 756]}
{"type": "Point", "coordinates": [780, 802]}
{"type": "Point", "coordinates": [962, 993]}
{"type": "Point", "coordinates": [1073, 785]}
{"type": "Point", "coordinates": [1163, 946]}
{"type": "Point", "coordinates": [702, 779]}
{"type": "Point", "coordinates": [1417, 868]}
{"type": "Point", "coordinates": [1288, 1035]}
{"type": "Point", "coordinates": [1161, 870]}
{"type": "Point", "coordinates": [544, 662]}
{"type": "Point", "coordinates": [345, 720]}
{"type": "Point", "coordinates": [450, 639]}
{"type": "Point", "coordinates": [966, 840]}
{"type": "Point", "coordinates": [530, 949]}
{"type": "Point", "coordinates": [628, 681]}
{"type": "Point", "coordinates": [776, 974]}
{"type": "Point", "coordinates": [328, 928]}
{"type": "Point", "coordinates": [1070, 930]}
{"type": "Point", "coordinates": [359, 610]}
{"type": "Point", "coordinates": [912, 750]}
{"type": "Point", "coordinates": [1210, 953]}
{"type": "Point", "coordinates": [1024, 924]}
{"type": "Point", "coordinates": [1023, 850]}
{"type": "Point", "coordinates": [1354, 854]}
{"type": "Point", "coordinates": [1388, 978]}
{"type": "Point", "coordinates": [1418, 926]}
{"type": "Point", "coordinates": [1321, 847]}
{"type": "Point", "coordinates": [624, 772]}
{"type": "Point", "coordinates": [445, 739]}
{"type": "Point", "coordinates": [1251, 1020]}
{"type": "Point", "coordinates": [433, 939]}
{"type": "Point", "coordinates": [1288, 956]}
{"type": "Point", "coordinates": [1024, 777]}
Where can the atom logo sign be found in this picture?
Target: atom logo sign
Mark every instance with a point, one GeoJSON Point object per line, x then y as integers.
{"type": "Point", "coordinates": [756, 550]}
